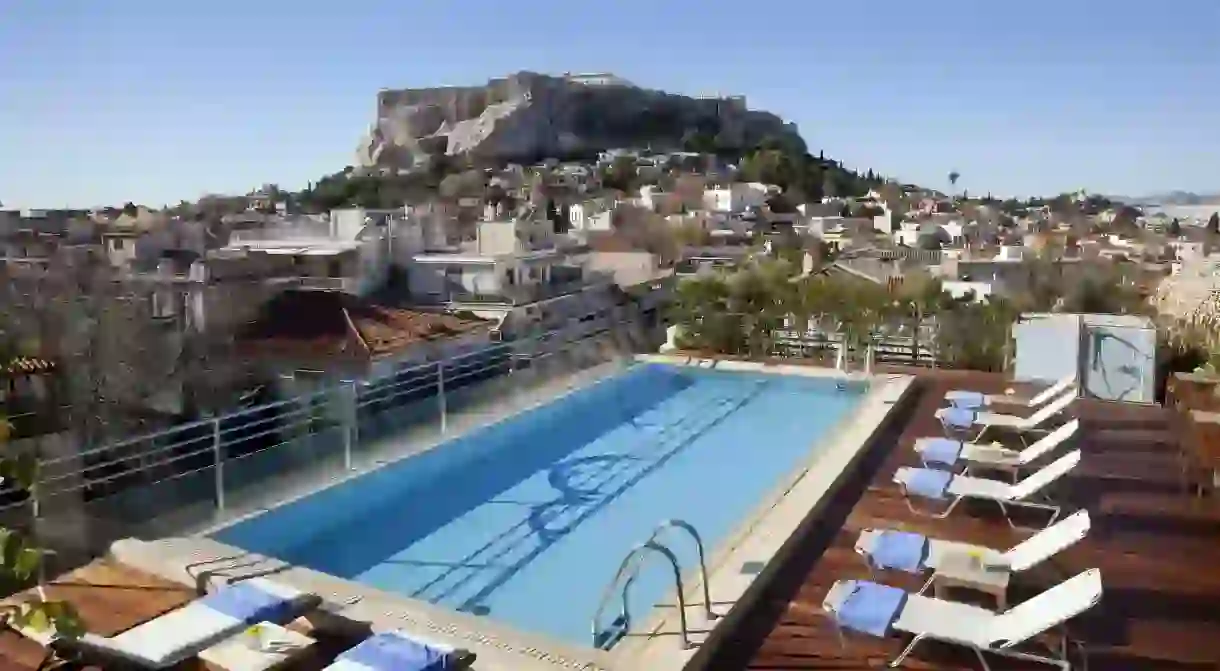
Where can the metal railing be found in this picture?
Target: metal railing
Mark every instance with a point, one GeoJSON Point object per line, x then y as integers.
{"type": "Point", "coordinates": [629, 570]}
{"type": "Point", "coordinates": [196, 475]}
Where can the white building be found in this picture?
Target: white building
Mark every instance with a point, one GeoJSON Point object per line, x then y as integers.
{"type": "Point", "coordinates": [737, 197]}
{"type": "Point", "coordinates": [510, 262]}
{"type": "Point", "coordinates": [590, 216]}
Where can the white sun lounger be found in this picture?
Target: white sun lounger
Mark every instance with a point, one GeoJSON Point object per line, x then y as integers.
{"type": "Point", "coordinates": [879, 610]}
{"type": "Point", "coordinates": [972, 400]}
{"type": "Point", "coordinates": [887, 549]}
{"type": "Point", "coordinates": [401, 651]}
{"type": "Point", "coordinates": [935, 484]}
{"type": "Point", "coordinates": [959, 421]}
{"type": "Point", "coordinates": [949, 452]}
{"type": "Point", "coordinates": [185, 632]}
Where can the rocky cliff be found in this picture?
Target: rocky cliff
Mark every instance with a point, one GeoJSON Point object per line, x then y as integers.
{"type": "Point", "coordinates": [528, 115]}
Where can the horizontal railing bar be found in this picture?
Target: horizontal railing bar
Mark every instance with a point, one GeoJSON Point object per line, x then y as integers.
{"type": "Point", "coordinates": [308, 413]}
{"type": "Point", "coordinates": [210, 448]}
{"type": "Point", "coordinates": [183, 427]}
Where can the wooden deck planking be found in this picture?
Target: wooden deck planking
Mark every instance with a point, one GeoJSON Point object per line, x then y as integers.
{"type": "Point", "coordinates": [109, 597]}
{"type": "Point", "coordinates": [1160, 609]}
{"type": "Point", "coordinates": [112, 598]}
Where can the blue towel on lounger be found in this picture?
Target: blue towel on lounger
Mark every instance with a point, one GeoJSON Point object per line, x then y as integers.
{"type": "Point", "coordinates": [871, 608]}
{"type": "Point", "coordinates": [960, 398]}
{"type": "Point", "coordinates": [928, 482]}
{"type": "Point", "coordinates": [941, 451]}
{"type": "Point", "coordinates": [958, 418]}
{"type": "Point", "coordinates": [249, 604]}
{"type": "Point", "coordinates": [900, 550]}
{"type": "Point", "coordinates": [394, 651]}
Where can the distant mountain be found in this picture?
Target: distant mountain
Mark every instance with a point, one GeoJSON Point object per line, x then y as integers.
{"type": "Point", "coordinates": [1172, 198]}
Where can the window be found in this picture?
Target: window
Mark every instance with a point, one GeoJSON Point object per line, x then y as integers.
{"type": "Point", "coordinates": [118, 244]}
{"type": "Point", "coordinates": [334, 268]}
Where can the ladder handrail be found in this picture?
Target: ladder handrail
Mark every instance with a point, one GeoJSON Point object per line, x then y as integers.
{"type": "Point", "coordinates": [632, 562]}
{"type": "Point", "coordinates": [689, 528]}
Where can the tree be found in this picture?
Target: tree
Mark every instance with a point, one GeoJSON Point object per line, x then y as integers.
{"type": "Point", "coordinates": [976, 335]}
{"type": "Point", "coordinates": [921, 295]}
{"type": "Point", "coordinates": [1213, 223]}
{"type": "Point", "coordinates": [21, 558]}
{"type": "Point", "coordinates": [1125, 219]}
{"type": "Point", "coordinates": [953, 177]}
{"type": "Point", "coordinates": [1175, 228]}
{"type": "Point", "coordinates": [700, 309]}
{"type": "Point", "coordinates": [648, 231]}
{"type": "Point", "coordinates": [622, 174]}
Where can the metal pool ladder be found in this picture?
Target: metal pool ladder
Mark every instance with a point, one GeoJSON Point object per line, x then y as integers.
{"type": "Point", "coordinates": [630, 568]}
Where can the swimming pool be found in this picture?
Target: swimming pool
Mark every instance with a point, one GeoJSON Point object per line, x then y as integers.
{"type": "Point", "coordinates": [526, 521]}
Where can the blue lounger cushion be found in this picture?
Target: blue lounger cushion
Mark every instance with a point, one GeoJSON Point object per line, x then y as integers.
{"type": "Point", "coordinates": [900, 550]}
{"type": "Point", "coordinates": [928, 482]}
{"type": "Point", "coordinates": [941, 451]}
{"type": "Point", "coordinates": [960, 398]}
{"type": "Point", "coordinates": [250, 603]}
{"type": "Point", "coordinates": [958, 418]}
{"type": "Point", "coordinates": [871, 608]}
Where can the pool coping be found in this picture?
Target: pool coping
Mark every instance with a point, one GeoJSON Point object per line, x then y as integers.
{"type": "Point", "coordinates": [765, 532]}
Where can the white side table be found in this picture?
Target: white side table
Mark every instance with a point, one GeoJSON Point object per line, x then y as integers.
{"type": "Point", "coordinates": [271, 647]}
{"type": "Point", "coordinates": [962, 569]}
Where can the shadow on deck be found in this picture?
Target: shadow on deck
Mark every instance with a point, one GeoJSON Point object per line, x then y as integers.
{"type": "Point", "coordinates": [1155, 549]}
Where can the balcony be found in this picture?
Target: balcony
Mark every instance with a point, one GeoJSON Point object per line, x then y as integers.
{"type": "Point", "coordinates": [455, 293]}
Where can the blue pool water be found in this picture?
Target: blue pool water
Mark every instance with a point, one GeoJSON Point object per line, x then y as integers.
{"type": "Point", "coordinates": [526, 520]}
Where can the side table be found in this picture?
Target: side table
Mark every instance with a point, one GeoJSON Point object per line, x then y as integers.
{"type": "Point", "coordinates": [966, 570]}
{"type": "Point", "coordinates": [263, 647]}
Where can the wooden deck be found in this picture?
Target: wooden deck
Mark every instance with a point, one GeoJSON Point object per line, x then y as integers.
{"type": "Point", "coordinates": [112, 598]}
{"type": "Point", "coordinates": [1156, 551]}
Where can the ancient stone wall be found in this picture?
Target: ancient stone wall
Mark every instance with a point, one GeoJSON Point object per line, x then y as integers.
{"type": "Point", "coordinates": [528, 114]}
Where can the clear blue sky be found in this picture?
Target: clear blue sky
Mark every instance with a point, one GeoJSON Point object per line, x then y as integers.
{"type": "Point", "coordinates": [107, 101]}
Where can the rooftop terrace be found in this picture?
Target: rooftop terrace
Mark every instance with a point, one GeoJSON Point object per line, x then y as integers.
{"type": "Point", "coordinates": [1154, 544]}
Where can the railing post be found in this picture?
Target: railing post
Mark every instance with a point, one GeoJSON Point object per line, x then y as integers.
{"type": "Point", "coordinates": [351, 420]}
{"type": "Point", "coordinates": [440, 395]}
{"type": "Point", "coordinates": [219, 464]}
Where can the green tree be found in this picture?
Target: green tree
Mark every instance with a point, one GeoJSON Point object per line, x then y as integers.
{"type": "Point", "coordinates": [701, 312]}
{"type": "Point", "coordinates": [1175, 228]}
{"type": "Point", "coordinates": [1213, 223]}
{"type": "Point", "coordinates": [622, 174]}
{"type": "Point", "coordinates": [921, 296]}
{"type": "Point", "coordinates": [22, 558]}
{"type": "Point", "coordinates": [976, 335]}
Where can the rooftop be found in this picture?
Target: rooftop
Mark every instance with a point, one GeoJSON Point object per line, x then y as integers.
{"type": "Point", "coordinates": [331, 323]}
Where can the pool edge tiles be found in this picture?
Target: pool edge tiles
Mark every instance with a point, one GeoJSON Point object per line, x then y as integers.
{"type": "Point", "coordinates": [502, 646]}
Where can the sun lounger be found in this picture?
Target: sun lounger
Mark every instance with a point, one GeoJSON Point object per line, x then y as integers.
{"type": "Point", "coordinates": [880, 610]}
{"type": "Point", "coordinates": [400, 651]}
{"type": "Point", "coordinates": [185, 632]}
{"type": "Point", "coordinates": [887, 549]}
{"type": "Point", "coordinates": [938, 485]}
{"type": "Point", "coordinates": [959, 421]}
{"type": "Point", "coordinates": [973, 400]}
{"type": "Point", "coordinates": [949, 452]}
